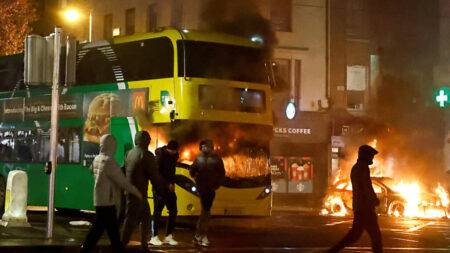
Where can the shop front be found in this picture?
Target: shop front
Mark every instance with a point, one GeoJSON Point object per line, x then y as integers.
{"type": "Point", "coordinates": [299, 156]}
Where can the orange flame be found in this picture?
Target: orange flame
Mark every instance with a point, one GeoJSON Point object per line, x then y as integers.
{"type": "Point", "coordinates": [416, 202]}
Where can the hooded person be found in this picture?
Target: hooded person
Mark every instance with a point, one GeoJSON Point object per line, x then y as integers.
{"type": "Point", "coordinates": [109, 180]}
{"type": "Point", "coordinates": [364, 202]}
{"type": "Point", "coordinates": [166, 157]}
{"type": "Point", "coordinates": [208, 171]}
{"type": "Point", "coordinates": [140, 168]}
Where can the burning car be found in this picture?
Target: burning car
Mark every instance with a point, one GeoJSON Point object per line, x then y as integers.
{"type": "Point", "coordinates": [396, 198]}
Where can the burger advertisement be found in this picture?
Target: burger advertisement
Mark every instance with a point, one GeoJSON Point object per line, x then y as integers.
{"type": "Point", "coordinates": [98, 109]}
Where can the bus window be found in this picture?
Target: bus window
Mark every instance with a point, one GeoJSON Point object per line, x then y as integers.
{"type": "Point", "coordinates": [33, 145]}
{"type": "Point", "coordinates": [101, 73]}
{"type": "Point", "coordinates": [221, 61]}
{"type": "Point", "coordinates": [231, 99]}
{"type": "Point", "coordinates": [68, 149]}
{"type": "Point", "coordinates": [146, 59]}
{"type": "Point", "coordinates": [16, 145]}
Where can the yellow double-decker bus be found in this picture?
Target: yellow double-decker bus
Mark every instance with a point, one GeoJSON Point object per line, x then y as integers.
{"type": "Point", "coordinates": [181, 85]}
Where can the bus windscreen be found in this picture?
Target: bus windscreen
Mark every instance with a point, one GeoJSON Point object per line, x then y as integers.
{"type": "Point", "coordinates": [221, 61]}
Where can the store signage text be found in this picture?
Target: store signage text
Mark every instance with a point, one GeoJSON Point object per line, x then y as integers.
{"type": "Point", "coordinates": [291, 130]}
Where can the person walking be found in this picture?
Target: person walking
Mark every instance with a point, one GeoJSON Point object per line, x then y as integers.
{"type": "Point", "coordinates": [209, 172]}
{"type": "Point", "coordinates": [108, 181]}
{"type": "Point", "coordinates": [140, 168]}
{"type": "Point", "coordinates": [364, 202]}
{"type": "Point", "coordinates": [166, 159]}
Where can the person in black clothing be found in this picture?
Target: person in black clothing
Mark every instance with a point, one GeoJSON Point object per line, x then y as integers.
{"type": "Point", "coordinates": [364, 202]}
{"type": "Point", "coordinates": [166, 158]}
{"type": "Point", "coordinates": [209, 172]}
{"type": "Point", "coordinates": [140, 168]}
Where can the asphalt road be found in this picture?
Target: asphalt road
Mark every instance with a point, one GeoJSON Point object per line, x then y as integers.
{"type": "Point", "coordinates": [282, 232]}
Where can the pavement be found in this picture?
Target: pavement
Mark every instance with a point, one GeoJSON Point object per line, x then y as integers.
{"type": "Point", "coordinates": [68, 238]}
{"type": "Point", "coordinates": [286, 230]}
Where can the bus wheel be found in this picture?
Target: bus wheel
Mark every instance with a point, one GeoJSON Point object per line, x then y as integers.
{"type": "Point", "coordinates": [2, 195]}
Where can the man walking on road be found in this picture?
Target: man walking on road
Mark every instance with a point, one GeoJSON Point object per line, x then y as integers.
{"type": "Point", "coordinates": [108, 181]}
{"type": "Point", "coordinates": [166, 158]}
{"type": "Point", "coordinates": [209, 172]}
{"type": "Point", "coordinates": [140, 168]}
{"type": "Point", "coordinates": [364, 202]}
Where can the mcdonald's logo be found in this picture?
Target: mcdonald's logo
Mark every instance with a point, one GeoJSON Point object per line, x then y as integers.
{"type": "Point", "coordinates": [139, 102]}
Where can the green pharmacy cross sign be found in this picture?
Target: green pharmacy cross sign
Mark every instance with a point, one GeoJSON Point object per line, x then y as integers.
{"type": "Point", "coordinates": [442, 97]}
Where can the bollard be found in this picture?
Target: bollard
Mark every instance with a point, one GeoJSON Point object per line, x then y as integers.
{"type": "Point", "coordinates": [16, 200]}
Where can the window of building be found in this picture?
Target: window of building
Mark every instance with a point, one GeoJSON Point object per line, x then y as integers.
{"type": "Point", "coordinates": [288, 76]}
{"type": "Point", "coordinates": [282, 72]}
{"type": "Point", "coordinates": [152, 18]}
{"type": "Point", "coordinates": [130, 15]}
{"type": "Point", "coordinates": [281, 15]}
{"type": "Point", "coordinates": [356, 86]}
{"type": "Point", "coordinates": [356, 18]}
{"type": "Point", "coordinates": [107, 26]}
{"type": "Point", "coordinates": [177, 14]}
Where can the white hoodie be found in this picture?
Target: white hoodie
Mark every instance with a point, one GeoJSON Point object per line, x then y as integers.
{"type": "Point", "coordinates": [109, 179]}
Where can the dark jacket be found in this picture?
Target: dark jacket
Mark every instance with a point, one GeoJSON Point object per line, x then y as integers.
{"type": "Point", "coordinates": [364, 197]}
{"type": "Point", "coordinates": [140, 166]}
{"type": "Point", "coordinates": [166, 164]}
{"type": "Point", "coordinates": [208, 171]}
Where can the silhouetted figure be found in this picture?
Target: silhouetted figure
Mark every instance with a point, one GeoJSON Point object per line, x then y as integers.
{"type": "Point", "coordinates": [166, 158]}
{"type": "Point", "coordinates": [140, 167]}
{"type": "Point", "coordinates": [209, 172]}
{"type": "Point", "coordinates": [109, 179]}
{"type": "Point", "coordinates": [364, 202]}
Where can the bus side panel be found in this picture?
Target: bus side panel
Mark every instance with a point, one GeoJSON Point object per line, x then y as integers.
{"type": "Point", "coordinates": [74, 186]}
{"type": "Point", "coordinates": [120, 129]}
{"type": "Point", "coordinates": [37, 183]}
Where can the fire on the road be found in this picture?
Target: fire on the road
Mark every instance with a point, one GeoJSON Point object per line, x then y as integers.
{"type": "Point", "coordinates": [398, 198]}
{"type": "Point", "coordinates": [418, 205]}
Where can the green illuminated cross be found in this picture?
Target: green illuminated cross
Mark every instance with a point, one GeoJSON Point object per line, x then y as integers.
{"type": "Point", "coordinates": [442, 98]}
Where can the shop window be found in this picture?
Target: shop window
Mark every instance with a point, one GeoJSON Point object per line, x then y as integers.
{"type": "Point", "coordinates": [281, 15]}
{"type": "Point", "coordinates": [300, 175]}
{"type": "Point", "coordinates": [278, 169]}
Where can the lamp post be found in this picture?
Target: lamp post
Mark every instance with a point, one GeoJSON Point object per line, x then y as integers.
{"type": "Point", "coordinates": [73, 15]}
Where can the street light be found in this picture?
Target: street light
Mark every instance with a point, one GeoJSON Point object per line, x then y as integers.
{"type": "Point", "coordinates": [73, 15]}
